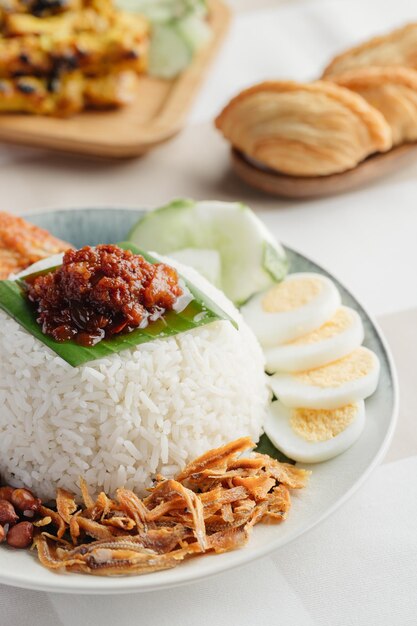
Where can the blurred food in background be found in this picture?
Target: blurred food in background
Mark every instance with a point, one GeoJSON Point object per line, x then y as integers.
{"type": "Point", "coordinates": [396, 48]}
{"type": "Point", "coordinates": [180, 29]}
{"type": "Point", "coordinates": [58, 58]}
{"type": "Point", "coordinates": [391, 90]}
{"type": "Point", "coordinates": [63, 56]}
{"type": "Point", "coordinates": [304, 129]}
{"type": "Point", "coordinates": [364, 105]}
{"type": "Point", "coordinates": [22, 244]}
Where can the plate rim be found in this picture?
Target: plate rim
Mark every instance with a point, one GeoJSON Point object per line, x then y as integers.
{"type": "Point", "coordinates": [129, 584]}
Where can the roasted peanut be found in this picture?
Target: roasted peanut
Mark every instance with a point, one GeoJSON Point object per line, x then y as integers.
{"type": "Point", "coordinates": [7, 513]}
{"type": "Point", "coordinates": [6, 493]}
{"type": "Point", "coordinates": [21, 535]}
{"type": "Point", "coordinates": [24, 500]}
{"type": "Point", "coordinates": [2, 534]}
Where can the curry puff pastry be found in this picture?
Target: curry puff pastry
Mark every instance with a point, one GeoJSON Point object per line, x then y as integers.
{"type": "Point", "coordinates": [313, 129]}
{"type": "Point", "coordinates": [398, 47]}
{"type": "Point", "coordinates": [391, 90]}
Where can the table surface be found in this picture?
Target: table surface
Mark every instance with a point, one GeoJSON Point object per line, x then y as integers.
{"type": "Point", "coordinates": [367, 237]}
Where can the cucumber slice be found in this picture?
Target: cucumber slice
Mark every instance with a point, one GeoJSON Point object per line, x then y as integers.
{"type": "Point", "coordinates": [163, 11]}
{"type": "Point", "coordinates": [198, 7]}
{"type": "Point", "coordinates": [251, 259]}
{"type": "Point", "coordinates": [206, 262]}
{"type": "Point", "coordinates": [179, 29]}
{"type": "Point", "coordinates": [168, 53]}
{"type": "Point", "coordinates": [195, 31]}
{"type": "Point", "coordinates": [154, 11]}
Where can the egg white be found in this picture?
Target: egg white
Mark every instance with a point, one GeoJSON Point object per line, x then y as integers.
{"type": "Point", "coordinates": [300, 357]}
{"type": "Point", "coordinates": [279, 430]}
{"type": "Point", "coordinates": [273, 329]}
{"type": "Point", "coordinates": [39, 266]}
{"type": "Point", "coordinates": [296, 393]}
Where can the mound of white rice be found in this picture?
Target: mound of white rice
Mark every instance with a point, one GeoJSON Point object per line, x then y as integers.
{"type": "Point", "coordinates": [117, 421]}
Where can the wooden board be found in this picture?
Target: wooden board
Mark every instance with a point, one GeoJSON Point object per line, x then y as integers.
{"type": "Point", "coordinates": [285, 186]}
{"type": "Point", "coordinates": [157, 114]}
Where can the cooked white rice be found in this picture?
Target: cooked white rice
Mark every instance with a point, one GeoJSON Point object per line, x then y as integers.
{"type": "Point", "coordinates": [117, 421]}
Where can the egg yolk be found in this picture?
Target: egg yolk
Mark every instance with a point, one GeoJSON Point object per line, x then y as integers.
{"type": "Point", "coordinates": [356, 365]}
{"type": "Point", "coordinates": [291, 294]}
{"type": "Point", "coordinates": [341, 321]}
{"type": "Point", "coordinates": [320, 425]}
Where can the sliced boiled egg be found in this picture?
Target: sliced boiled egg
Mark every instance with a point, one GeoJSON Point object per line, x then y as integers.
{"type": "Point", "coordinates": [336, 338]}
{"type": "Point", "coordinates": [290, 309]}
{"type": "Point", "coordinates": [353, 378]}
{"type": "Point", "coordinates": [314, 435]}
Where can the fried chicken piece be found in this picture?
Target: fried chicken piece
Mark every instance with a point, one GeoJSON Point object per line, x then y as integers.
{"type": "Point", "coordinates": [119, 47]}
{"type": "Point", "coordinates": [19, 24]}
{"type": "Point", "coordinates": [24, 55]}
{"type": "Point", "coordinates": [46, 56]}
{"type": "Point", "coordinates": [111, 90]}
{"type": "Point", "coordinates": [39, 7]}
{"type": "Point", "coordinates": [44, 8]}
{"type": "Point", "coordinates": [67, 95]}
{"type": "Point", "coordinates": [22, 244]}
{"type": "Point", "coordinates": [59, 57]}
{"type": "Point", "coordinates": [73, 23]}
{"type": "Point", "coordinates": [60, 97]}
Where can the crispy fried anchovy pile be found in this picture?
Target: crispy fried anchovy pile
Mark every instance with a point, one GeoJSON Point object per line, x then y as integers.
{"type": "Point", "coordinates": [211, 506]}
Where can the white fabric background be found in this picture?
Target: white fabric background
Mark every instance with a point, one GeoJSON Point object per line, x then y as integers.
{"type": "Point", "coordinates": [360, 566]}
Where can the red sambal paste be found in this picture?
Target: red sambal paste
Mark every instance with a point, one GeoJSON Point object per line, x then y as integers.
{"type": "Point", "coordinates": [100, 292]}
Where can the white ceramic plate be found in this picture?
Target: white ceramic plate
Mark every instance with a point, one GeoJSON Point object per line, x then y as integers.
{"type": "Point", "coordinates": [331, 484]}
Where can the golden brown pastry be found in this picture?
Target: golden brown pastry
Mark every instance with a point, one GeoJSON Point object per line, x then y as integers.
{"type": "Point", "coordinates": [398, 47]}
{"type": "Point", "coordinates": [300, 129]}
{"type": "Point", "coordinates": [391, 90]}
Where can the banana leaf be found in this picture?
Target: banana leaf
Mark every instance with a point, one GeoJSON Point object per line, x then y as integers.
{"type": "Point", "coordinates": [265, 446]}
{"type": "Point", "coordinates": [199, 312]}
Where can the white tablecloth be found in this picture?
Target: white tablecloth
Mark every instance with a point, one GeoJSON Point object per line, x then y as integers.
{"type": "Point", "coordinates": [359, 566]}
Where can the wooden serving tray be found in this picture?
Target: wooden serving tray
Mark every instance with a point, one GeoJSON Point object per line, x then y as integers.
{"type": "Point", "coordinates": [286, 186]}
{"type": "Point", "coordinates": [157, 114]}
